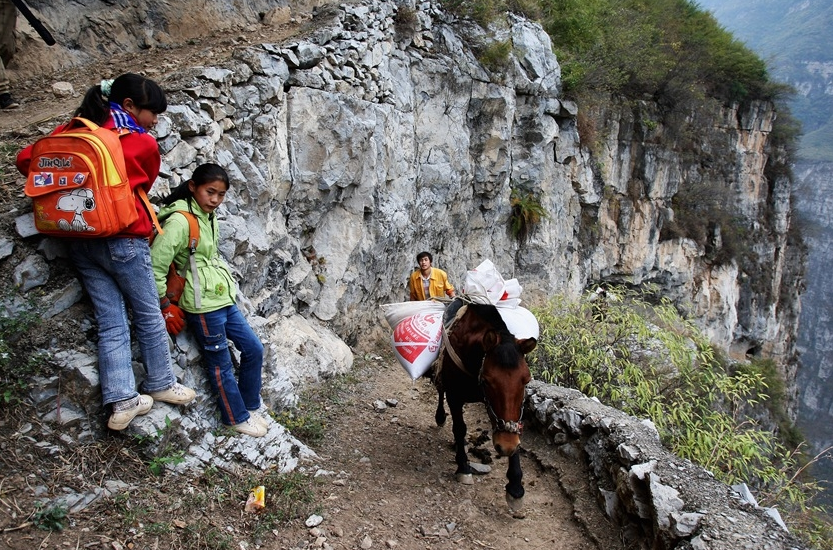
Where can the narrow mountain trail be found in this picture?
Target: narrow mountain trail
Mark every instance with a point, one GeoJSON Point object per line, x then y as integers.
{"type": "Point", "coordinates": [390, 479]}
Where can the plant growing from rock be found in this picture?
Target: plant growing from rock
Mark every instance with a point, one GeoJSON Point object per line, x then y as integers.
{"type": "Point", "coordinates": [405, 22]}
{"type": "Point", "coordinates": [165, 452]}
{"type": "Point", "coordinates": [527, 213]}
{"type": "Point", "coordinates": [495, 56]}
{"type": "Point", "coordinates": [482, 12]}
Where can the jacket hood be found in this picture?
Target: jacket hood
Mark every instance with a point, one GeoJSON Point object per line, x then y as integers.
{"type": "Point", "coordinates": [189, 205]}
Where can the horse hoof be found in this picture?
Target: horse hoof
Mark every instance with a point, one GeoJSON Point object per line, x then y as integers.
{"type": "Point", "coordinates": [516, 506]}
{"type": "Point", "coordinates": [439, 418]}
{"type": "Point", "coordinates": [465, 479]}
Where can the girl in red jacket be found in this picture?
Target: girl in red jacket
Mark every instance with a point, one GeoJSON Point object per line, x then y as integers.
{"type": "Point", "coordinates": [116, 271]}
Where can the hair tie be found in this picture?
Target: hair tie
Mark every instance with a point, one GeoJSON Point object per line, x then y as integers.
{"type": "Point", "coordinates": [106, 86]}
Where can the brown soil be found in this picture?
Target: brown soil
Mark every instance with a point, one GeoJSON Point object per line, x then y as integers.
{"type": "Point", "coordinates": [385, 480]}
{"type": "Point", "coordinates": [40, 105]}
{"type": "Point", "coordinates": [398, 468]}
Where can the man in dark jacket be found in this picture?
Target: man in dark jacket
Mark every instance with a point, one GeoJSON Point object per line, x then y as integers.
{"type": "Point", "coordinates": [8, 20]}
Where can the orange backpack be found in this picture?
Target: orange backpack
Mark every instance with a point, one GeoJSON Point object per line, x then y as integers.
{"type": "Point", "coordinates": [78, 183]}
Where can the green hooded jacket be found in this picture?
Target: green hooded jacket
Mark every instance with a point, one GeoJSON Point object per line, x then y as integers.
{"type": "Point", "coordinates": [217, 288]}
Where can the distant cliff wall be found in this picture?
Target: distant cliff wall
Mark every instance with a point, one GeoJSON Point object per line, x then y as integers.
{"type": "Point", "coordinates": [815, 209]}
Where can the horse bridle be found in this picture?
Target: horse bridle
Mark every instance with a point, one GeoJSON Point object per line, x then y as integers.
{"type": "Point", "coordinates": [501, 425]}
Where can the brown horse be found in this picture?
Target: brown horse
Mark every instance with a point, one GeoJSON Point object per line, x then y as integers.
{"type": "Point", "coordinates": [482, 362]}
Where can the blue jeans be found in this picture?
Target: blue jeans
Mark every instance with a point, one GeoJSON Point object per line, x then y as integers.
{"type": "Point", "coordinates": [117, 273]}
{"type": "Point", "coordinates": [213, 330]}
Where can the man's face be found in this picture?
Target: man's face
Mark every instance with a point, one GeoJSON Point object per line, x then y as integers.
{"type": "Point", "coordinates": [424, 263]}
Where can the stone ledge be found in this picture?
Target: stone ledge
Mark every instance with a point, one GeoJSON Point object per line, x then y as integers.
{"type": "Point", "coordinates": [658, 500]}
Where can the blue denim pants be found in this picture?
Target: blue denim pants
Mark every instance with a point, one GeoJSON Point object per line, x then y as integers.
{"type": "Point", "coordinates": [235, 396]}
{"type": "Point", "coordinates": [117, 273]}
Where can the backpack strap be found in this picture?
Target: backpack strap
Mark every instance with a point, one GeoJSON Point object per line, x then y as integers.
{"type": "Point", "coordinates": [154, 221]}
{"type": "Point", "coordinates": [193, 241]}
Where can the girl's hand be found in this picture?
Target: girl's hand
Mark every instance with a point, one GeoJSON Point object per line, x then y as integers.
{"type": "Point", "coordinates": [174, 317]}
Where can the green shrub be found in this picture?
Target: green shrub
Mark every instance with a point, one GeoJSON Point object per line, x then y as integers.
{"type": "Point", "coordinates": [165, 450]}
{"type": "Point", "coordinates": [308, 421]}
{"type": "Point", "coordinates": [647, 361]}
{"type": "Point", "coordinates": [663, 48]}
{"type": "Point", "coordinates": [50, 518]}
{"type": "Point", "coordinates": [495, 56]}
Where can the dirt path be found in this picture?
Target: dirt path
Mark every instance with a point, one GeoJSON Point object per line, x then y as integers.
{"type": "Point", "coordinates": [384, 479]}
{"type": "Point", "coordinates": [393, 480]}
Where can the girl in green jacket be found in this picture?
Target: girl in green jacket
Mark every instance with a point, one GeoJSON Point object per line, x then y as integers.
{"type": "Point", "coordinates": [207, 302]}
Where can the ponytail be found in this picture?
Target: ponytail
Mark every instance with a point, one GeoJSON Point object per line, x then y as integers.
{"type": "Point", "coordinates": [181, 191]}
{"type": "Point", "coordinates": [94, 107]}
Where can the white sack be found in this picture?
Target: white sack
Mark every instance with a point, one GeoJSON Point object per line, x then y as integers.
{"type": "Point", "coordinates": [416, 342]}
{"type": "Point", "coordinates": [484, 280]}
{"type": "Point", "coordinates": [396, 312]}
{"type": "Point", "coordinates": [520, 322]}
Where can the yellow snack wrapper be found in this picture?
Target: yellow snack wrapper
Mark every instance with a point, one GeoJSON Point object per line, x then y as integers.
{"type": "Point", "coordinates": [257, 499]}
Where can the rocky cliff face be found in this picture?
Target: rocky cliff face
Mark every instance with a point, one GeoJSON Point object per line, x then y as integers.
{"type": "Point", "coordinates": [381, 134]}
{"type": "Point", "coordinates": [795, 37]}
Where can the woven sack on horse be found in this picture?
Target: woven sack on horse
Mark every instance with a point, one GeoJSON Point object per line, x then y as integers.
{"type": "Point", "coordinates": [417, 333]}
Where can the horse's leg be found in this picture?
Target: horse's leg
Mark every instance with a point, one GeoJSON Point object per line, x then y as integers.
{"type": "Point", "coordinates": [515, 487]}
{"type": "Point", "coordinates": [436, 378]}
{"type": "Point", "coordinates": [440, 416]}
{"type": "Point", "coordinates": [458, 428]}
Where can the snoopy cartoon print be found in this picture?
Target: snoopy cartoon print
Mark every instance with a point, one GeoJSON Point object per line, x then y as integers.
{"type": "Point", "coordinates": [76, 201]}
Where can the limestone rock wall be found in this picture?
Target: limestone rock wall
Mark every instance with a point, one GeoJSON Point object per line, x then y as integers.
{"type": "Point", "coordinates": [380, 134]}
{"type": "Point", "coordinates": [363, 143]}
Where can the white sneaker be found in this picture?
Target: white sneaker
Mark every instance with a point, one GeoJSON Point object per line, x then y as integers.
{"type": "Point", "coordinates": [256, 416]}
{"type": "Point", "coordinates": [176, 395]}
{"type": "Point", "coordinates": [120, 420]}
{"type": "Point", "coordinates": [250, 427]}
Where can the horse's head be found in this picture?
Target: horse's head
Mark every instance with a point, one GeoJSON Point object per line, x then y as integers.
{"type": "Point", "coordinates": [504, 377]}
